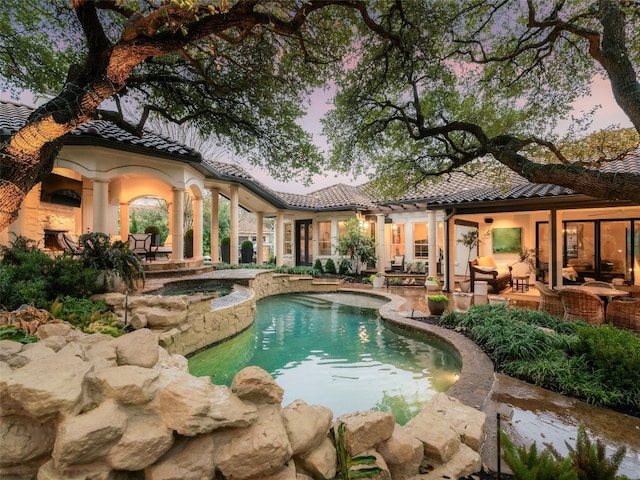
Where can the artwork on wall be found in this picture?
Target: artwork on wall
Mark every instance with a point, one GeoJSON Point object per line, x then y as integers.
{"type": "Point", "coordinates": [506, 240]}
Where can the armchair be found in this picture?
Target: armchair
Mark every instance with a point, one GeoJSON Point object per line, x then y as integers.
{"type": "Point", "coordinates": [397, 263]}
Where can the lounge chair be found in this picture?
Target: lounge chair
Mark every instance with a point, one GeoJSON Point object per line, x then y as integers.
{"type": "Point", "coordinates": [68, 244]}
{"type": "Point", "coordinates": [140, 244]}
{"type": "Point", "coordinates": [624, 314]}
{"type": "Point", "coordinates": [486, 269]}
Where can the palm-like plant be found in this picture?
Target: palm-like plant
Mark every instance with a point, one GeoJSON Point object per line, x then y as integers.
{"type": "Point", "coordinates": [100, 254]}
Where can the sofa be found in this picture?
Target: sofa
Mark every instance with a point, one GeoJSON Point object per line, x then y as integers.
{"type": "Point", "coordinates": [498, 277]}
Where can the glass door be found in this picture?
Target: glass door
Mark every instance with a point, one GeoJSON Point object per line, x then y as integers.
{"type": "Point", "coordinates": [304, 243]}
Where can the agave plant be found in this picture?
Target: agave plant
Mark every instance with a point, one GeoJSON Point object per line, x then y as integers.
{"type": "Point", "coordinates": [100, 254]}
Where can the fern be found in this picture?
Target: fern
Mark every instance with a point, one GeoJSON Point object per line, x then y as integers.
{"type": "Point", "coordinates": [346, 461]}
{"type": "Point", "coordinates": [529, 465]}
{"type": "Point", "coordinates": [590, 460]}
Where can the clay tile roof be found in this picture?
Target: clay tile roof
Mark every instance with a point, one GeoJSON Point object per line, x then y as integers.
{"type": "Point", "coordinates": [13, 116]}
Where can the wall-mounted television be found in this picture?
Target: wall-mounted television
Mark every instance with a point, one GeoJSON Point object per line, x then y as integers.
{"type": "Point", "coordinates": [61, 190]}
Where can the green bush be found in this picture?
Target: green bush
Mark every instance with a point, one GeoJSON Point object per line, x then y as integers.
{"type": "Point", "coordinates": [87, 315]}
{"type": "Point", "coordinates": [246, 245]}
{"type": "Point", "coordinates": [598, 364]}
{"type": "Point", "coordinates": [330, 267]}
{"type": "Point", "coordinates": [317, 266]}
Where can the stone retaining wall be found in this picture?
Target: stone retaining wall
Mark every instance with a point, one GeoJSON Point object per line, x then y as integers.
{"type": "Point", "coordinates": [188, 323]}
{"type": "Point", "coordinates": [77, 406]}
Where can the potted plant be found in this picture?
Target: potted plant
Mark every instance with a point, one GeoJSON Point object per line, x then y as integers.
{"type": "Point", "coordinates": [462, 301]}
{"type": "Point", "coordinates": [246, 251]}
{"type": "Point", "coordinates": [437, 304]}
{"type": "Point", "coordinates": [155, 234]}
{"type": "Point", "coordinates": [188, 243]}
{"type": "Point", "coordinates": [420, 267]}
{"type": "Point", "coordinates": [526, 263]}
{"type": "Point", "coordinates": [377, 280]}
{"type": "Point", "coordinates": [471, 240]}
{"type": "Point", "coordinates": [225, 249]}
{"type": "Point", "coordinates": [116, 261]}
{"type": "Point", "coordinates": [433, 283]}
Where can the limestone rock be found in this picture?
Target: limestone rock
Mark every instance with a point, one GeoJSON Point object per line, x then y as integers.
{"type": "Point", "coordinates": [24, 439]}
{"type": "Point", "coordinates": [88, 437]}
{"type": "Point", "coordinates": [138, 320]}
{"type": "Point", "coordinates": [321, 461]}
{"type": "Point", "coordinates": [128, 384]}
{"type": "Point", "coordinates": [175, 361]}
{"type": "Point", "coordinates": [260, 449]}
{"type": "Point", "coordinates": [364, 430]}
{"type": "Point", "coordinates": [306, 425]}
{"type": "Point", "coordinates": [30, 353]}
{"type": "Point", "coordinates": [440, 441]}
{"type": "Point", "coordinates": [55, 342]}
{"type": "Point", "coordinates": [137, 348]}
{"type": "Point", "coordinates": [463, 463]}
{"type": "Point", "coordinates": [145, 439]}
{"type": "Point", "coordinates": [192, 405]}
{"type": "Point", "coordinates": [288, 472]}
{"type": "Point", "coordinates": [61, 329]}
{"type": "Point", "coordinates": [465, 421]}
{"type": "Point", "coordinates": [384, 473]}
{"type": "Point", "coordinates": [8, 349]}
{"type": "Point", "coordinates": [46, 388]}
{"type": "Point", "coordinates": [48, 471]}
{"type": "Point", "coordinates": [188, 459]}
{"type": "Point", "coordinates": [403, 454]}
{"type": "Point", "coordinates": [256, 385]}
{"type": "Point", "coordinates": [158, 317]}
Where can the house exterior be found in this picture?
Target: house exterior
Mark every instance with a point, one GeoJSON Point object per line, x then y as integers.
{"type": "Point", "coordinates": [102, 169]}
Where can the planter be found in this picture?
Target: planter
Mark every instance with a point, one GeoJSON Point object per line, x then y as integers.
{"type": "Point", "coordinates": [432, 286]}
{"type": "Point", "coordinates": [378, 282]}
{"type": "Point", "coordinates": [462, 301]}
{"type": "Point", "coordinates": [465, 286]}
{"type": "Point", "coordinates": [108, 281]}
{"type": "Point", "coordinates": [247, 255]}
{"type": "Point", "coordinates": [498, 300]}
{"type": "Point", "coordinates": [436, 307]}
{"type": "Point", "coordinates": [225, 253]}
{"type": "Point", "coordinates": [480, 287]}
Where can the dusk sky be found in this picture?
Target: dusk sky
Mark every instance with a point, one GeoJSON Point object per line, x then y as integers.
{"type": "Point", "coordinates": [609, 114]}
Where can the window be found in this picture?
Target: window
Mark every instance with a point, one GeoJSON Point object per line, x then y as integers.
{"type": "Point", "coordinates": [342, 229]}
{"type": "Point", "coordinates": [288, 239]}
{"type": "Point", "coordinates": [324, 238]}
{"type": "Point", "coordinates": [579, 246]}
{"type": "Point", "coordinates": [397, 239]}
{"type": "Point", "coordinates": [420, 241]}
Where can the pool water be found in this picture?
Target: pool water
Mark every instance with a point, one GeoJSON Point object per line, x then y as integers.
{"type": "Point", "coordinates": [334, 350]}
{"type": "Point", "coordinates": [191, 287]}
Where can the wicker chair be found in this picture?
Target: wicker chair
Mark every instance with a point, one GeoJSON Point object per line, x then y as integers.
{"type": "Point", "coordinates": [598, 283]}
{"type": "Point", "coordinates": [579, 305]}
{"type": "Point", "coordinates": [624, 314]}
{"type": "Point", "coordinates": [549, 300]}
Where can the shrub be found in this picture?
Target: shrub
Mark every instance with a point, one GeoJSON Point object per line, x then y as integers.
{"type": "Point", "coordinates": [330, 267]}
{"type": "Point", "coordinates": [152, 229]}
{"type": "Point", "coordinates": [345, 266]}
{"type": "Point", "coordinates": [317, 266]}
{"type": "Point", "coordinates": [246, 245]}
{"type": "Point", "coordinates": [528, 464]}
{"type": "Point", "coordinates": [87, 315]}
{"type": "Point", "coordinates": [590, 461]}
{"type": "Point", "coordinates": [225, 241]}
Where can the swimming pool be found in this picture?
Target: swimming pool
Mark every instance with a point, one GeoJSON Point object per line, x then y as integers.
{"type": "Point", "coordinates": [334, 350]}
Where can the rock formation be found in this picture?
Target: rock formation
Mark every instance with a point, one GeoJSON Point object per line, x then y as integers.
{"type": "Point", "coordinates": [78, 406]}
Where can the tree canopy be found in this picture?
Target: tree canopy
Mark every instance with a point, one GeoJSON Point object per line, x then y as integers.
{"type": "Point", "coordinates": [425, 86]}
{"type": "Point", "coordinates": [474, 80]}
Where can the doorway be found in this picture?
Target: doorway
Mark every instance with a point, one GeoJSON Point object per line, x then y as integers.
{"type": "Point", "coordinates": [304, 243]}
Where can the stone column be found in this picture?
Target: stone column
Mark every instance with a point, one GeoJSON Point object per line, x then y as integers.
{"type": "Point", "coordinates": [433, 246]}
{"type": "Point", "coordinates": [279, 240]}
{"type": "Point", "coordinates": [198, 230]}
{"type": "Point", "coordinates": [100, 205]}
{"type": "Point", "coordinates": [259, 238]}
{"type": "Point", "coordinates": [381, 247]}
{"type": "Point", "coordinates": [124, 222]}
{"type": "Point", "coordinates": [177, 224]}
{"type": "Point", "coordinates": [215, 225]}
{"type": "Point", "coordinates": [233, 224]}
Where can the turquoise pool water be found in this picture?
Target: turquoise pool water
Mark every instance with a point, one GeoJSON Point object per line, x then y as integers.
{"type": "Point", "coordinates": [334, 350]}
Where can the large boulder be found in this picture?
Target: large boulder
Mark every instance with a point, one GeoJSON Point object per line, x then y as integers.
{"type": "Point", "coordinates": [24, 439]}
{"type": "Point", "coordinates": [88, 437]}
{"type": "Point", "coordinates": [193, 405]}
{"type": "Point", "coordinates": [306, 425]}
{"type": "Point", "coordinates": [129, 384]}
{"type": "Point", "coordinates": [190, 458]}
{"type": "Point", "coordinates": [467, 422]}
{"type": "Point", "coordinates": [365, 430]}
{"type": "Point", "coordinates": [138, 348]}
{"type": "Point", "coordinates": [465, 462]}
{"type": "Point", "coordinates": [440, 441]}
{"type": "Point", "coordinates": [260, 449]}
{"type": "Point", "coordinates": [321, 461]}
{"type": "Point", "coordinates": [403, 453]}
{"type": "Point", "coordinates": [256, 385]}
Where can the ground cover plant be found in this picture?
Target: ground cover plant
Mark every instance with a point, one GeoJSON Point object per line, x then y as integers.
{"type": "Point", "coordinates": [600, 365]}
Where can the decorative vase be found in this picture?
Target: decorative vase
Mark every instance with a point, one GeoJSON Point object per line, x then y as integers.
{"type": "Point", "coordinates": [462, 301]}
{"type": "Point", "coordinates": [498, 300]}
{"type": "Point", "coordinates": [465, 285]}
{"type": "Point", "coordinates": [436, 308]}
{"type": "Point", "coordinates": [378, 281]}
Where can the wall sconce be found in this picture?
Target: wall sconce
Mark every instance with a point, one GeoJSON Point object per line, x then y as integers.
{"type": "Point", "coordinates": [488, 220]}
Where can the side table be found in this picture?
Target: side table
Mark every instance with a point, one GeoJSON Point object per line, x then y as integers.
{"type": "Point", "coordinates": [521, 283]}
